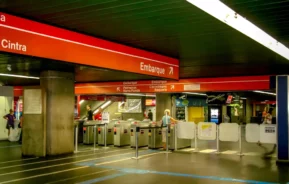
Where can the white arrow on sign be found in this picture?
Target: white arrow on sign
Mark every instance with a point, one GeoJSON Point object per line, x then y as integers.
{"type": "Point", "coordinates": [172, 86]}
{"type": "Point", "coordinates": [118, 89]}
{"type": "Point", "coordinates": [171, 70]}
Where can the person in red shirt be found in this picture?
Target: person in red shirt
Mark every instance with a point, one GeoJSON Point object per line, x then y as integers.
{"type": "Point", "coordinates": [98, 116]}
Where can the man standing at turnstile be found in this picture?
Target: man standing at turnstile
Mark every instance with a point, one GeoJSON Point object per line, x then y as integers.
{"type": "Point", "coordinates": [166, 121]}
{"type": "Point", "coordinates": [89, 113]}
{"type": "Point", "coordinates": [150, 115]}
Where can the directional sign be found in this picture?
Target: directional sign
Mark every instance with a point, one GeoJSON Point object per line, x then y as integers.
{"type": "Point", "coordinates": [22, 36]}
{"type": "Point", "coordinates": [171, 71]}
{"type": "Point", "coordinates": [184, 85]}
{"type": "Point", "coordinates": [160, 86]}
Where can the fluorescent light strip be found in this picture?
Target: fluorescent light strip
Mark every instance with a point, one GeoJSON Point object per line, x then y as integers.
{"type": "Point", "coordinates": [140, 95]}
{"type": "Point", "coordinates": [18, 76]}
{"type": "Point", "coordinates": [201, 94]}
{"type": "Point", "coordinates": [222, 12]}
{"type": "Point", "coordinates": [105, 104]}
{"type": "Point", "coordinates": [81, 101]}
{"type": "Point", "coordinates": [96, 111]}
{"type": "Point", "coordinates": [264, 92]}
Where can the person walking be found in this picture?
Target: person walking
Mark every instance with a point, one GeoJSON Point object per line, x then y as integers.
{"type": "Point", "coordinates": [10, 120]}
{"type": "Point", "coordinates": [166, 121]}
{"type": "Point", "coordinates": [20, 125]}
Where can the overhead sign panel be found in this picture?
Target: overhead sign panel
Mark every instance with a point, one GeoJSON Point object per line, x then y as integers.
{"type": "Point", "coordinates": [161, 86]}
{"type": "Point", "coordinates": [22, 36]}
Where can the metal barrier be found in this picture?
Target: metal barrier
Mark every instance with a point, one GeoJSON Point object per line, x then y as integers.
{"type": "Point", "coordinates": [76, 138]}
{"type": "Point", "coordinates": [94, 136]}
{"type": "Point", "coordinates": [264, 133]}
{"type": "Point", "coordinates": [137, 130]}
{"type": "Point", "coordinates": [225, 132]}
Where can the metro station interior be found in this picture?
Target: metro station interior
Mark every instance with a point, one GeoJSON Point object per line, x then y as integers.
{"type": "Point", "coordinates": [170, 91]}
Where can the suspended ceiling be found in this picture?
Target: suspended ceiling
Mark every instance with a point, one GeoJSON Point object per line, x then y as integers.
{"type": "Point", "coordinates": [205, 46]}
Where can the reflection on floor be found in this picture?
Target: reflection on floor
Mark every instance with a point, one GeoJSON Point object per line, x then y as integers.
{"type": "Point", "coordinates": [114, 165]}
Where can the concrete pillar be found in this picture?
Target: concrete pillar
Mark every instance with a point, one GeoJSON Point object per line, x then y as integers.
{"type": "Point", "coordinates": [58, 111]}
{"type": "Point", "coordinates": [282, 118]}
{"type": "Point", "coordinates": [163, 101]}
{"type": "Point", "coordinates": [34, 127]}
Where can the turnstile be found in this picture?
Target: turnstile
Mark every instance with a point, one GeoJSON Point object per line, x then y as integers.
{"type": "Point", "coordinates": [155, 136]}
{"type": "Point", "coordinates": [181, 143]}
{"type": "Point", "coordinates": [122, 133]}
{"type": "Point", "coordinates": [88, 132]}
{"type": "Point", "coordinates": [143, 133]}
{"type": "Point", "coordinates": [79, 123]}
{"type": "Point", "coordinates": [109, 133]}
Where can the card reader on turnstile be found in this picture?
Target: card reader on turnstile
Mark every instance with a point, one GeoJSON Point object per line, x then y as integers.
{"type": "Point", "coordinates": [155, 136]}
{"type": "Point", "coordinates": [88, 132]}
{"type": "Point", "coordinates": [109, 133]}
{"type": "Point", "coordinates": [142, 135]}
{"type": "Point", "coordinates": [122, 133]}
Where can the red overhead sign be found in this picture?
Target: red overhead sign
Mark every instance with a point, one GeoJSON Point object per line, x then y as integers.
{"type": "Point", "coordinates": [22, 36]}
{"type": "Point", "coordinates": [183, 85]}
{"type": "Point", "coordinates": [162, 86]}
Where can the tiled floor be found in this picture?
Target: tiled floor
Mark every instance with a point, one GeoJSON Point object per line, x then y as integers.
{"type": "Point", "coordinates": [115, 165]}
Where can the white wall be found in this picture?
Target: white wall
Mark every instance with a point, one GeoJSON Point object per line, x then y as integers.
{"type": "Point", "coordinates": [5, 106]}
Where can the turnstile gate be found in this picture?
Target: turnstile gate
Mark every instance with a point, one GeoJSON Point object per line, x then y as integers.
{"type": "Point", "coordinates": [88, 132]}
{"type": "Point", "coordinates": [143, 134]}
{"type": "Point", "coordinates": [109, 133]}
{"type": "Point", "coordinates": [122, 133]}
{"type": "Point", "coordinates": [155, 136]}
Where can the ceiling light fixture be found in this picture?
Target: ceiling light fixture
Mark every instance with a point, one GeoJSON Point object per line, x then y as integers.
{"type": "Point", "coordinates": [228, 16]}
{"type": "Point", "coordinates": [18, 76]}
{"type": "Point", "coordinates": [191, 93]}
{"type": "Point", "coordinates": [264, 92]}
{"type": "Point", "coordinates": [81, 101]}
{"type": "Point", "coordinates": [105, 104]}
{"type": "Point", "coordinates": [139, 95]}
{"type": "Point", "coordinates": [96, 111]}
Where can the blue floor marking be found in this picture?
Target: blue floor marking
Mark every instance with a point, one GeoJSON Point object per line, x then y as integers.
{"type": "Point", "coordinates": [139, 171]}
{"type": "Point", "coordinates": [102, 178]}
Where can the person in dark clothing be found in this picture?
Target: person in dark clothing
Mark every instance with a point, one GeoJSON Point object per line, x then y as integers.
{"type": "Point", "coordinates": [150, 115]}
{"type": "Point", "coordinates": [10, 120]}
{"type": "Point", "coordinates": [20, 126]}
{"type": "Point", "coordinates": [89, 113]}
